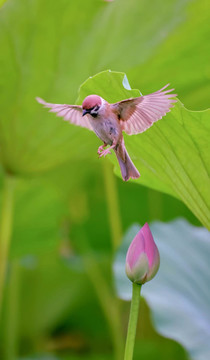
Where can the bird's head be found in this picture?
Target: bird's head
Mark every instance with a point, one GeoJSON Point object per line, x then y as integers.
{"type": "Point", "coordinates": [91, 105]}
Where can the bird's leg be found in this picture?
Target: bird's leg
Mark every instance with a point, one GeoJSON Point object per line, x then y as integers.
{"type": "Point", "coordinates": [101, 148]}
{"type": "Point", "coordinates": [107, 151]}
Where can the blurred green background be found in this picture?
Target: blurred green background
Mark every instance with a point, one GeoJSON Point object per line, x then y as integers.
{"type": "Point", "coordinates": [70, 210]}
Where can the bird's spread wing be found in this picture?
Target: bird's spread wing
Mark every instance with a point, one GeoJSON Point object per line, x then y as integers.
{"type": "Point", "coordinates": [138, 114]}
{"type": "Point", "coordinates": [71, 113]}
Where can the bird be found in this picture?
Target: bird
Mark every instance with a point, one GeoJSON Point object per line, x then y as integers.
{"type": "Point", "coordinates": [108, 121]}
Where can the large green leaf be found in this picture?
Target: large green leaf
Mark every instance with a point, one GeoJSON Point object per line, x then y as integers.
{"type": "Point", "coordinates": [38, 215]}
{"type": "Point", "coordinates": [53, 290]}
{"type": "Point", "coordinates": [179, 295]}
{"type": "Point", "coordinates": [172, 156]}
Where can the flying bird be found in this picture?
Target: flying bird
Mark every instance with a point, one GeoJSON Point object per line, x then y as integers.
{"type": "Point", "coordinates": [133, 116]}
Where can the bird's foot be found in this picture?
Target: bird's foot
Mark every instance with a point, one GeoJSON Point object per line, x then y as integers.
{"type": "Point", "coordinates": [101, 149]}
{"type": "Point", "coordinates": [105, 152]}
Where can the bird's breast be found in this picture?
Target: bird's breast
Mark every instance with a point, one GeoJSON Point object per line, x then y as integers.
{"type": "Point", "coordinates": [107, 130]}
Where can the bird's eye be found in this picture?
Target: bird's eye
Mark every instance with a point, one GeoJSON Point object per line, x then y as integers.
{"type": "Point", "coordinates": [94, 111]}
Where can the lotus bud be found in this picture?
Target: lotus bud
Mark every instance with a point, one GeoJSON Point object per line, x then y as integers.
{"type": "Point", "coordinates": [143, 259]}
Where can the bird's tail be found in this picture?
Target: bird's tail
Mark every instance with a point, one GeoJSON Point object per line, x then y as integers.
{"type": "Point", "coordinates": [127, 167]}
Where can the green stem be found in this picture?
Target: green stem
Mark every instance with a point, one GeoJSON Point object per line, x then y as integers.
{"type": "Point", "coordinates": [111, 306]}
{"type": "Point", "coordinates": [131, 334]}
{"type": "Point", "coordinates": [155, 197]}
{"type": "Point", "coordinates": [113, 205]}
{"type": "Point", "coordinates": [12, 311]}
{"type": "Point", "coordinates": [5, 230]}
{"type": "Point", "coordinates": [108, 303]}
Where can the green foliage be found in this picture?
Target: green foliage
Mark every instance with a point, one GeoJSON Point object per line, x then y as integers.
{"type": "Point", "coordinates": [38, 215]}
{"type": "Point", "coordinates": [179, 295]}
{"type": "Point", "coordinates": [62, 206]}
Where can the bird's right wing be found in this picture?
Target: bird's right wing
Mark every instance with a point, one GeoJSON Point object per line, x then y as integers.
{"type": "Point", "coordinates": [71, 113]}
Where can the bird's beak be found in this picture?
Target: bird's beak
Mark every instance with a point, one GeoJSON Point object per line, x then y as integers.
{"type": "Point", "coordinates": [84, 112]}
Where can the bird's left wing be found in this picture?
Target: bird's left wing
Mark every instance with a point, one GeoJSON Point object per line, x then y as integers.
{"type": "Point", "coordinates": [71, 113]}
{"type": "Point", "coordinates": [138, 114]}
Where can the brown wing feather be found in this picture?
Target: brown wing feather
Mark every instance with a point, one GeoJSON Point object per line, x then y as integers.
{"type": "Point", "coordinates": [71, 113]}
{"type": "Point", "coordinates": [138, 114]}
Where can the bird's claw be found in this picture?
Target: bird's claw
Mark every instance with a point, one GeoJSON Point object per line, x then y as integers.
{"type": "Point", "coordinates": [104, 152]}
{"type": "Point", "coordinates": [101, 149]}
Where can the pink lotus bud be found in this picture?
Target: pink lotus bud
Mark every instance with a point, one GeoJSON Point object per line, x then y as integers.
{"type": "Point", "coordinates": [143, 259]}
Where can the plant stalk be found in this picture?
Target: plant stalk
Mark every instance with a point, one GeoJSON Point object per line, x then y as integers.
{"type": "Point", "coordinates": [12, 312]}
{"type": "Point", "coordinates": [113, 205]}
{"type": "Point", "coordinates": [112, 306]}
{"type": "Point", "coordinates": [108, 303]}
{"type": "Point", "coordinates": [131, 333]}
{"type": "Point", "coordinates": [5, 230]}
